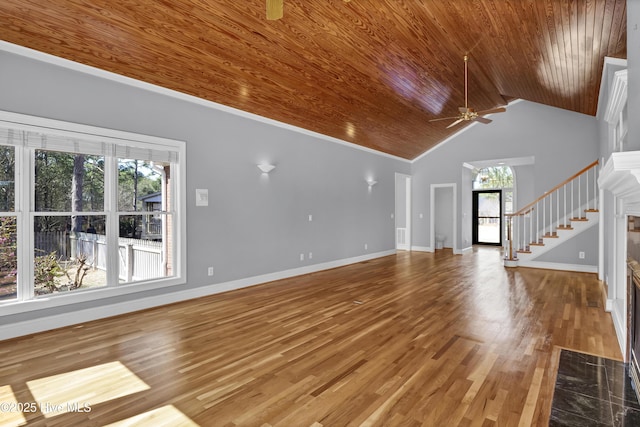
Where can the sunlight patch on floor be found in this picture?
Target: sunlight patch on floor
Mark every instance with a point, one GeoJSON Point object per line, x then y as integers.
{"type": "Point", "coordinates": [10, 409]}
{"type": "Point", "coordinates": [62, 393]}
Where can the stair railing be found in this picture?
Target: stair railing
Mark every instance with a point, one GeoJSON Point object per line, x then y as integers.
{"type": "Point", "coordinates": [555, 209]}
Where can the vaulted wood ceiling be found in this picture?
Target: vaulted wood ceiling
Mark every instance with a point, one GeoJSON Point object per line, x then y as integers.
{"type": "Point", "coordinates": [371, 72]}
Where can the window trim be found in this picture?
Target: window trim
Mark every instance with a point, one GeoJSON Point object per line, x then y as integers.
{"type": "Point", "coordinates": [23, 211]}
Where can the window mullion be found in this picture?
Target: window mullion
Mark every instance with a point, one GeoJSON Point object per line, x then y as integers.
{"type": "Point", "coordinates": [112, 219]}
{"type": "Point", "coordinates": [25, 185]}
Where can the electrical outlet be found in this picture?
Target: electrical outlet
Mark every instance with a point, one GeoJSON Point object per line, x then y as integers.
{"type": "Point", "coordinates": [310, 218]}
{"type": "Point", "coordinates": [210, 271]}
{"type": "Point", "coordinates": [581, 255]}
{"type": "Point", "coordinates": [310, 255]}
{"type": "Point", "coordinates": [301, 257]}
{"type": "Point", "coordinates": [366, 246]}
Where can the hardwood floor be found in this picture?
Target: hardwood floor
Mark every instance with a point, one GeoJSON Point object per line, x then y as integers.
{"type": "Point", "coordinates": [407, 340]}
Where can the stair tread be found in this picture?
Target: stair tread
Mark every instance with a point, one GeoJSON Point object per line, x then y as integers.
{"type": "Point", "coordinates": [563, 227]}
{"type": "Point", "coordinates": [523, 252]}
{"type": "Point", "coordinates": [591, 210]}
{"type": "Point", "coordinates": [536, 244]}
{"type": "Point", "coordinates": [551, 236]}
{"type": "Point", "coordinates": [580, 219]}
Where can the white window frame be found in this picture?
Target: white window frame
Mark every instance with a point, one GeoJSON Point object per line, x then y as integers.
{"type": "Point", "coordinates": [25, 214]}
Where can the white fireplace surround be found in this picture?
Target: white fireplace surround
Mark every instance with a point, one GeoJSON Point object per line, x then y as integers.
{"type": "Point", "coordinates": [621, 176]}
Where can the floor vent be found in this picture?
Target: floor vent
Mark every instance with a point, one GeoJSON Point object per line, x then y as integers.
{"type": "Point", "coordinates": [593, 304]}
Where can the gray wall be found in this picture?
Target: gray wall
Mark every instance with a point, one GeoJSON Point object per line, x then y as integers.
{"type": "Point", "coordinates": [562, 143]}
{"type": "Point", "coordinates": [254, 224]}
{"type": "Point", "coordinates": [525, 185]}
{"type": "Point", "coordinates": [568, 252]}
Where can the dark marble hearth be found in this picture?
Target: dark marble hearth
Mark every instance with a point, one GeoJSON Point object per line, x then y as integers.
{"type": "Point", "coordinates": [593, 391]}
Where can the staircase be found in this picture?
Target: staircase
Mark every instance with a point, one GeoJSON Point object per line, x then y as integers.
{"type": "Point", "coordinates": [557, 216]}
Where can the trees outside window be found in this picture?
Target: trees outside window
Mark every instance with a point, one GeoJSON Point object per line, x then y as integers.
{"type": "Point", "coordinates": [92, 217]}
{"type": "Point", "coordinates": [8, 225]}
{"type": "Point", "coordinates": [8, 258]}
{"type": "Point", "coordinates": [497, 178]}
{"type": "Point", "coordinates": [493, 177]}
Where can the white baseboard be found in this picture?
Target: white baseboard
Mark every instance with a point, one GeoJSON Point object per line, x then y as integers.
{"type": "Point", "coordinates": [16, 329]}
{"type": "Point", "coordinates": [559, 266]}
{"type": "Point", "coordinates": [430, 249]}
{"type": "Point", "coordinates": [421, 248]}
{"type": "Point", "coordinates": [463, 250]}
{"type": "Point", "coordinates": [619, 324]}
{"type": "Point", "coordinates": [608, 305]}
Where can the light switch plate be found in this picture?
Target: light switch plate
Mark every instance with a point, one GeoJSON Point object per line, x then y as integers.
{"type": "Point", "coordinates": [202, 197]}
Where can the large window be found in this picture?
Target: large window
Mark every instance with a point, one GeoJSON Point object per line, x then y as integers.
{"type": "Point", "coordinates": [86, 209]}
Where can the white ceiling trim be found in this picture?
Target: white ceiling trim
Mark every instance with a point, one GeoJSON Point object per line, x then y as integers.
{"type": "Point", "coordinates": [617, 97]}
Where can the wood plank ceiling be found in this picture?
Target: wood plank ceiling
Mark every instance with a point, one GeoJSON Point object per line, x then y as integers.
{"type": "Point", "coordinates": [371, 72]}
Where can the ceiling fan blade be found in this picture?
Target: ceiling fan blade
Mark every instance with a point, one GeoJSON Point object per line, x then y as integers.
{"type": "Point", "coordinates": [274, 9]}
{"type": "Point", "coordinates": [455, 123]}
{"type": "Point", "coordinates": [444, 118]}
{"type": "Point", "coordinates": [483, 120]}
{"type": "Point", "coordinates": [493, 111]}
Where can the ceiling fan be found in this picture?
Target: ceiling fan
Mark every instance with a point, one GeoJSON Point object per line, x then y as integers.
{"type": "Point", "coordinates": [469, 114]}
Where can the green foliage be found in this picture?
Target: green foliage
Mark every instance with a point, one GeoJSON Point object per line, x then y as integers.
{"type": "Point", "coordinates": [493, 177]}
{"type": "Point", "coordinates": [135, 179]}
{"type": "Point", "coordinates": [54, 182]}
{"type": "Point", "coordinates": [7, 178]}
{"type": "Point", "coordinates": [8, 250]}
{"type": "Point", "coordinates": [46, 270]}
{"type": "Point", "coordinates": [49, 271]}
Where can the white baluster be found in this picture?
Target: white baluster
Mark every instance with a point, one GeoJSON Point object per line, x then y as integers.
{"type": "Point", "coordinates": [572, 199]}
{"type": "Point", "coordinates": [579, 198]}
{"type": "Point", "coordinates": [544, 215]}
{"type": "Point", "coordinates": [537, 222]}
{"type": "Point", "coordinates": [530, 225]}
{"type": "Point", "coordinates": [521, 235]}
{"type": "Point", "coordinates": [550, 214]}
{"type": "Point", "coordinates": [595, 187]}
{"type": "Point", "coordinates": [557, 207]}
{"type": "Point", "coordinates": [587, 185]}
{"type": "Point", "coordinates": [565, 205]}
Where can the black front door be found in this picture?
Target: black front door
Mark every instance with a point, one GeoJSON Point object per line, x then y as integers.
{"type": "Point", "coordinates": [487, 217]}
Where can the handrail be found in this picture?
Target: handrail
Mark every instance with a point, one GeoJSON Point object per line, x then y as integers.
{"type": "Point", "coordinates": [519, 216]}
{"type": "Point", "coordinates": [566, 181]}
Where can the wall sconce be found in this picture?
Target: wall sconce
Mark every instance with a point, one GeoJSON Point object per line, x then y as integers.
{"type": "Point", "coordinates": [371, 182]}
{"type": "Point", "coordinates": [266, 168]}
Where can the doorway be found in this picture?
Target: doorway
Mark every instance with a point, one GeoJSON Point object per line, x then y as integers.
{"type": "Point", "coordinates": [487, 217]}
{"type": "Point", "coordinates": [443, 214]}
{"type": "Point", "coordinates": [403, 212]}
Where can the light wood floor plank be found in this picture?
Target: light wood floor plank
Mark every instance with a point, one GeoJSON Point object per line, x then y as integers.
{"type": "Point", "coordinates": [415, 339]}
